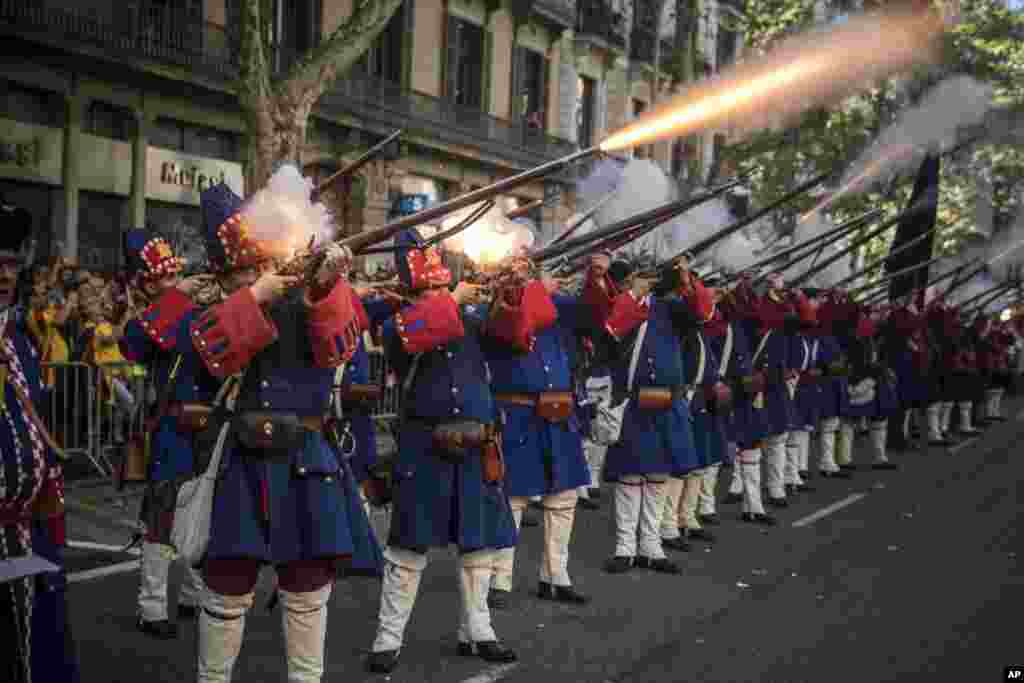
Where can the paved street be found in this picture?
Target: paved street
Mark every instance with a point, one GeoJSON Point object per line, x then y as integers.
{"type": "Point", "coordinates": [894, 576]}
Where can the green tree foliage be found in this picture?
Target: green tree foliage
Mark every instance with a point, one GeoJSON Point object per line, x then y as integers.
{"type": "Point", "coordinates": [986, 42]}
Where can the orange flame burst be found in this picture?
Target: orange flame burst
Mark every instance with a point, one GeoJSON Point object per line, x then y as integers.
{"type": "Point", "coordinates": [809, 71]}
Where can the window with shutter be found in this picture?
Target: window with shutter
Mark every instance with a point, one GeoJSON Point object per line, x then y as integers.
{"type": "Point", "coordinates": [586, 111]}
{"type": "Point", "coordinates": [464, 70]}
{"type": "Point", "coordinates": [531, 90]}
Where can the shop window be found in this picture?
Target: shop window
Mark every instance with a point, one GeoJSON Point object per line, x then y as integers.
{"type": "Point", "coordinates": [192, 139]}
{"type": "Point", "coordinates": [383, 60]}
{"type": "Point", "coordinates": [585, 91]}
{"type": "Point", "coordinates": [100, 222]}
{"type": "Point", "coordinates": [465, 63]}
{"type": "Point", "coordinates": [530, 87]}
{"type": "Point", "coordinates": [181, 226]}
{"type": "Point", "coordinates": [108, 121]}
{"type": "Point", "coordinates": [29, 105]}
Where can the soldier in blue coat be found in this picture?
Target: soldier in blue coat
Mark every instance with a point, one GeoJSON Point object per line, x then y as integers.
{"type": "Point", "coordinates": [681, 521]}
{"type": "Point", "coordinates": [649, 386]}
{"type": "Point", "coordinates": [153, 339]}
{"type": "Point", "coordinates": [749, 425]}
{"type": "Point", "coordinates": [34, 631]}
{"type": "Point", "coordinates": [773, 326]}
{"type": "Point", "coordinates": [835, 395]}
{"type": "Point", "coordinates": [808, 396]}
{"type": "Point", "coordinates": [532, 354]}
{"type": "Point", "coordinates": [448, 486]}
{"type": "Point", "coordinates": [286, 495]}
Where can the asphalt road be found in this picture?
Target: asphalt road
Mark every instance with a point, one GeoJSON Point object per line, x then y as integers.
{"type": "Point", "coordinates": [912, 575]}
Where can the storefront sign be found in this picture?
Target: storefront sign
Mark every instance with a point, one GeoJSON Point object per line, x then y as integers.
{"type": "Point", "coordinates": [30, 152]}
{"type": "Point", "coordinates": [181, 178]}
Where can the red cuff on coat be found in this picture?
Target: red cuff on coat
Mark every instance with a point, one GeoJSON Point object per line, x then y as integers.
{"type": "Point", "coordinates": [518, 324]}
{"type": "Point", "coordinates": [162, 316]}
{"type": "Point", "coordinates": [626, 315]}
{"type": "Point", "coordinates": [429, 323]}
{"type": "Point", "coordinates": [334, 326]}
{"type": "Point", "coordinates": [701, 300]}
{"type": "Point", "coordinates": [231, 333]}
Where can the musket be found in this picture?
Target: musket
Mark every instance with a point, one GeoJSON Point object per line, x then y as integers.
{"type": "Point", "coordinates": [585, 217]}
{"type": "Point", "coordinates": [352, 167]}
{"type": "Point", "coordinates": [810, 243]}
{"type": "Point", "coordinates": [306, 261]}
{"type": "Point", "coordinates": [465, 223]}
{"type": "Point", "coordinates": [665, 210]}
{"type": "Point", "coordinates": [959, 282]}
{"type": "Point", "coordinates": [878, 296]}
{"type": "Point", "coordinates": [978, 308]}
{"type": "Point", "coordinates": [709, 242]}
{"type": "Point", "coordinates": [856, 244]}
{"type": "Point", "coordinates": [889, 277]}
{"type": "Point", "coordinates": [881, 262]}
{"type": "Point", "coordinates": [995, 289]}
{"type": "Point", "coordinates": [815, 249]}
{"type": "Point", "coordinates": [617, 240]}
{"type": "Point", "coordinates": [525, 209]}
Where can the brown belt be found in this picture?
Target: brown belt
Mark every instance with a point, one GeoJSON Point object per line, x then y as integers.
{"type": "Point", "coordinates": [527, 400]}
{"type": "Point", "coordinates": [313, 424]}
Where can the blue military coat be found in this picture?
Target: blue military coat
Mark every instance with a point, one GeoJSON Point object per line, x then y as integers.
{"type": "Point", "coordinates": [302, 504]}
{"type": "Point", "coordinates": [437, 502]}
{"type": "Point", "coordinates": [708, 429]}
{"type": "Point", "coordinates": [542, 457]}
{"type": "Point", "coordinates": [865, 364]}
{"type": "Point", "coordinates": [157, 339]}
{"type": "Point", "coordinates": [654, 442]}
{"type": "Point", "coordinates": [31, 468]}
{"type": "Point", "coordinates": [775, 360]}
{"type": "Point", "coordinates": [835, 397]}
{"type": "Point", "coordinates": [807, 404]}
{"type": "Point", "coordinates": [746, 424]}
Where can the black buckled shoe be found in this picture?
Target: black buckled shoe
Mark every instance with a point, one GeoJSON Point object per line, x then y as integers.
{"type": "Point", "coordinates": [804, 474]}
{"type": "Point", "coordinates": [662, 565]}
{"type": "Point", "coordinates": [804, 488]}
{"type": "Point", "coordinates": [733, 498]}
{"type": "Point", "coordinates": [790, 489]}
{"type": "Point", "coordinates": [700, 535]}
{"type": "Point", "coordinates": [885, 466]}
{"type": "Point", "coordinates": [487, 650]}
{"type": "Point", "coordinates": [588, 504]}
{"type": "Point", "coordinates": [162, 630]}
{"type": "Point", "coordinates": [778, 502]}
{"type": "Point", "coordinates": [848, 468]}
{"type": "Point", "coordinates": [678, 544]}
{"type": "Point", "coordinates": [758, 518]}
{"type": "Point", "coordinates": [498, 598]}
{"type": "Point", "coordinates": [709, 520]}
{"type": "Point", "coordinates": [566, 594]}
{"type": "Point", "coordinates": [620, 564]}
{"type": "Point", "coordinates": [187, 612]}
{"type": "Point", "coordinates": [382, 662]}
{"type": "Point", "coordinates": [838, 474]}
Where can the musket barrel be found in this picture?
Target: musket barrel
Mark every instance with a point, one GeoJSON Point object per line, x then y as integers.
{"type": "Point", "coordinates": [709, 242]}
{"type": "Point", "coordinates": [881, 262]}
{"type": "Point", "coordinates": [386, 232]}
{"type": "Point", "coordinates": [888, 277]}
{"type": "Point", "coordinates": [521, 211]}
{"type": "Point", "coordinates": [354, 166]}
{"type": "Point", "coordinates": [857, 244]}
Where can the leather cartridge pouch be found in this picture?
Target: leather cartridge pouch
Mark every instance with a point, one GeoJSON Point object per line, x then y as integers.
{"type": "Point", "coordinates": [493, 462]}
{"type": "Point", "coordinates": [194, 417]}
{"type": "Point", "coordinates": [718, 398]}
{"type": "Point", "coordinates": [655, 399]}
{"type": "Point", "coordinates": [277, 433]}
{"type": "Point", "coordinates": [555, 406]}
{"type": "Point", "coordinates": [361, 393]}
{"type": "Point", "coordinates": [455, 438]}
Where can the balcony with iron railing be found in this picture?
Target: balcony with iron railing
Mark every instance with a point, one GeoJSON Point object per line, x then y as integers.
{"type": "Point", "coordinates": [141, 38]}
{"type": "Point", "coordinates": [598, 22]}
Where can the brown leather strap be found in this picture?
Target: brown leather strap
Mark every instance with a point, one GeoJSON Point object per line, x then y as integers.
{"type": "Point", "coordinates": [517, 399]}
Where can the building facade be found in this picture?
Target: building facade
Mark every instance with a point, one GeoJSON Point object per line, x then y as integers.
{"type": "Point", "coordinates": [117, 113]}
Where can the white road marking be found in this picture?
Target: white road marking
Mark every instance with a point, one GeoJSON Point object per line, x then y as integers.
{"type": "Point", "coordinates": [962, 444]}
{"type": "Point", "coordinates": [120, 568]}
{"type": "Point", "coordinates": [89, 545]}
{"type": "Point", "coordinates": [495, 673]}
{"type": "Point", "coordinates": [826, 511]}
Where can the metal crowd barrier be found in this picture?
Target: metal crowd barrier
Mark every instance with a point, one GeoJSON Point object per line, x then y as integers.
{"type": "Point", "coordinates": [94, 411]}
